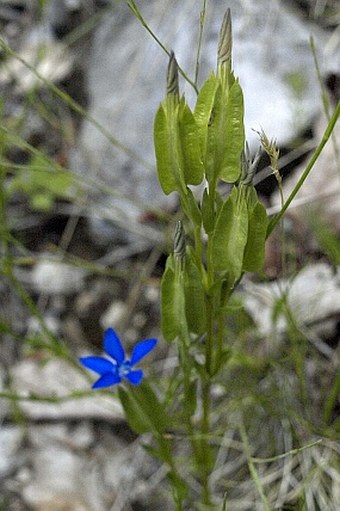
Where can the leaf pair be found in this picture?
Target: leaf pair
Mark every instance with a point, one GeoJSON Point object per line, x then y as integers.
{"type": "Point", "coordinates": [143, 410]}
{"type": "Point", "coordinates": [183, 299]}
{"type": "Point", "coordinates": [179, 161]}
{"type": "Point", "coordinates": [219, 117]}
{"type": "Point", "coordinates": [240, 232]}
{"type": "Point", "coordinates": [208, 142]}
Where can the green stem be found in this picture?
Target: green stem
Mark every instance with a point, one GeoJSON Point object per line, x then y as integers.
{"type": "Point", "coordinates": [220, 339]}
{"type": "Point", "coordinates": [200, 39]}
{"type": "Point", "coordinates": [210, 269]}
{"type": "Point", "coordinates": [325, 100]}
{"type": "Point", "coordinates": [309, 167]}
{"type": "Point", "coordinates": [210, 336]}
{"type": "Point", "coordinates": [199, 250]}
{"type": "Point", "coordinates": [205, 448]}
{"type": "Point", "coordinates": [173, 476]}
{"type": "Point", "coordinates": [206, 383]}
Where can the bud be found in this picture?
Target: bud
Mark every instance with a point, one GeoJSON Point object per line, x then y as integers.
{"type": "Point", "coordinates": [172, 86]}
{"type": "Point", "coordinates": [249, 165]}
{"type": "Point", "coordinates": [225, 42]}
{"type": "Point", "coordinates": [179, 241]}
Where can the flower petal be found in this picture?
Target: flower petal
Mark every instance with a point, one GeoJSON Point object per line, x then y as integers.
{"type": "Point", "coordinates": [107, 380]}
{"type": "Point", "coordinates": [98, 364]}
{"type": "Point", "coordinates": [135, 377]}
{"type": "Point", "coordinates": [113, 346]}
{"type": "Point", "coordinates": [141, 349]}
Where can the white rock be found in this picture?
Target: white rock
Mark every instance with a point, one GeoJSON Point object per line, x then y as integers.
{"type": "Point", "coordinates": [11, 438]}
{"type": "Point", "coordinates": [57, 379]}
{"type": "Point", "coordinates": [54, 277]}
{"type": "Point", "coordinates": [312, 296]}
{"type": "Point", "coordinates": [318, 199]}
{"type": "Point", "coordinates": [53, 64]}
{"type": "Point", "coordinates": [114, 314]}
{"type": "Point", "coordinates": [69, 474]}
{"type": "Point", "coordinates": [56, 472]}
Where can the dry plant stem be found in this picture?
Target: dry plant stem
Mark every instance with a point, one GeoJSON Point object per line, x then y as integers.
{"type": "Point", "coordinates": [284, 160]}
{"type": "Point", "coordinates": [292, 452]}
{"type": "Point", "coordinates": [83, 181]}
{"type": "Point", "coordinates": [53, 345]}
{"type": "Point", "coordinates": [309, 167]}
{"type": "Point", "coordinates": [78, 394]}
{"type": "Point", "coordinates": [132, 5]}
{"type": "Point", "coordinates": [252, 468]}
{"type": "Point", "coordinates": [4, 231]}
{"type": "Point", "coordinates": [325, 100]}
{"type": "Point", "coordinates": [332, 399]}
{"type": "Point", "coordinates": [77, 108]}
{"type": "Point", "coordinates": [278, 178]}
{"type": "Point", "coordinates": [4, 236]}
{"type": "Point", "coordinates": [137, 286]}
{"type": "Point", "coordinates": [165, 446]}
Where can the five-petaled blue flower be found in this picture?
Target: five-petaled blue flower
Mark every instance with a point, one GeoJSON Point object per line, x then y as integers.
{"type": "Point", "coordinates": [113, 371]}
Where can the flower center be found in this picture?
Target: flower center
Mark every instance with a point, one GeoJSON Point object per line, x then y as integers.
{"type": "Point", "coordinates": [124, 369]}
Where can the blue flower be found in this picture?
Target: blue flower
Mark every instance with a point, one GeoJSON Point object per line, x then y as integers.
{"type": "Point", "coordinates": [116, 368]}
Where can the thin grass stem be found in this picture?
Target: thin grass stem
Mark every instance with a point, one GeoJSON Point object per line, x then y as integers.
{"type": "Point", "coordinates": [252, 469]}
{"type": "Point", "coordinates": [200, 40]}
{"type": "Point", "coordinates": [325, 100]}
{"type": "Point", "coordinates": [77, 108]}
{"type": "Point", "coordinates": [132, 5]}
{"type": "Point", "coordinates": [324, 140]}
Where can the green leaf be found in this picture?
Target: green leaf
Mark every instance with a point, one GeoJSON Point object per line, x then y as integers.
{"type": "Point", "coordinates": [230, 235]}
{"type": "Point", "coordinates": [179, 485]}
{"type": "Point", "coordinates": [234, 137]}
{"type": "Point", "coordinates": [144, 412]}
{"type": "Point", "coordinates": [191, 207]}
{"type": "Point", "coordinates": [215, 136]}
{"type": "Point", "coordinates": [158, 453]}
{"type": "Point", "coordinates": [257, 228]}
{"type": "Point", "coordinates": [203, 109]}
{"type": "Point", "coordinates": [173, 320]}
{"type": "Point", "coordinates": [195, 306]}
{"type": "Point", "coordinates": [226, 132]}
{"type": "Point", "coordinates": [223, 359]}
{"type": "Point", "coordinates": [190, 404]}
{"type": "Point", "coordinates": [177, 148]}
{"type": "Point", "coordinates": [165, 140]}
{"type": "Point", "coordinates": [190, 147]}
